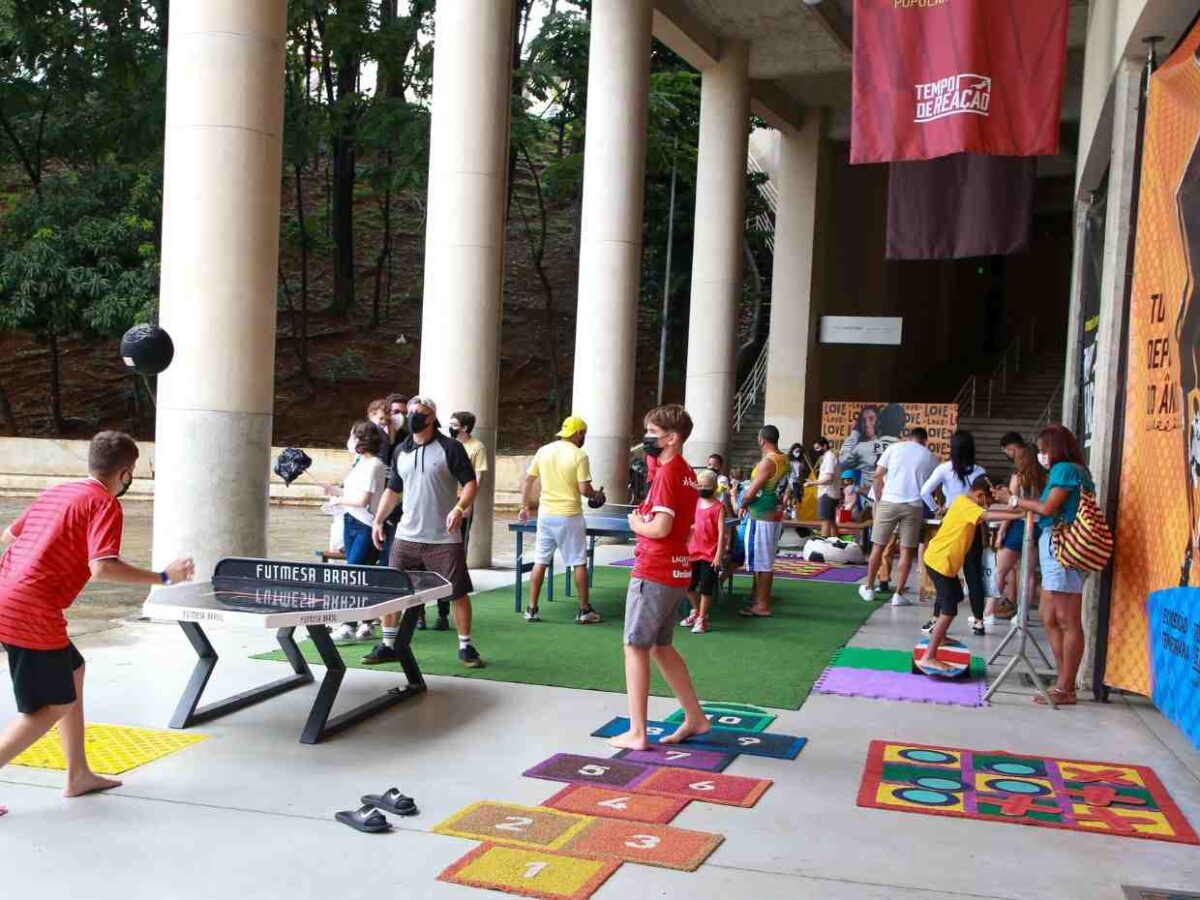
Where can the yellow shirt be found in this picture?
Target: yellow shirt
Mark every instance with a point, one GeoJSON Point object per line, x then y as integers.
{"type": "Point", "coordinates": [561, 467]}
{"type": "Point", "coordinates": [948, 549]}
{"type": "Point", "coordinates": [477, 453]}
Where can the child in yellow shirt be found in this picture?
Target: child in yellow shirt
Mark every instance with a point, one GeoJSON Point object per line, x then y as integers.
{"type": "Point", "coordinates": [944, 561]}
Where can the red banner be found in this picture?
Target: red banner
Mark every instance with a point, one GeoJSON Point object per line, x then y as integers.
{"type": "Point", "coordinates": [935, 77]}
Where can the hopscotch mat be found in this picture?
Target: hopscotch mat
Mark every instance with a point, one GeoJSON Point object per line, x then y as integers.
{"type": "Point", "coordinates": [111, 749]}
{"type": "Point", "coordinates": [998, 786]}
{"type": "Point", "coordinates": [731, 717]}
{"type": "Point", "coordinates": [771, 745]}
{"type": "Point", "coordinates": [539, 828]}
{"type": "Point", "coordinates": [596, 801]}
{"type": "Point", "coordinates": [530, 873]}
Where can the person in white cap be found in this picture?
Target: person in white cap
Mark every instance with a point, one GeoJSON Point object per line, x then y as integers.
{"type": "Point", "coordinates": [429, 469]}
{"type": "Point", "coordinates": [565, 473]}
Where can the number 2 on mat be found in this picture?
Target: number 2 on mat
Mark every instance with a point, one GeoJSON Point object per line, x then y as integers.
{"type": "Point", "coordinates": [515, 823]}
{"type": "Point", "coordinates": [615, 803]}
{"type": "Point", "coordinates": [533, 869]}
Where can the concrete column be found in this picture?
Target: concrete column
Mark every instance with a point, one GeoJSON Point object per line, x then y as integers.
{"type": "Point", "coordinates": [610, 251]}
{"type": "Point", "coordinates": [1110, 393]}
{"type": "Point", "coordinates": [220, 251]}
{"type": "Point", "coordinates": [464, 232]}
{"type": "Point", "coordinates": [1071, 378]}
{"type": "Point", "coordinates": [792, 278]}
{"type": "Point", "coordinates": [717, 249]}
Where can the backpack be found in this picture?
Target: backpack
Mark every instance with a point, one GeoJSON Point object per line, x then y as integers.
{"type": "Point", "coordinates": [1087, 543]}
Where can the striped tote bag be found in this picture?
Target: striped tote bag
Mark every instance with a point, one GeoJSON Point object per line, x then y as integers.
{"type": "Point", "coordinates": [1087, 543]}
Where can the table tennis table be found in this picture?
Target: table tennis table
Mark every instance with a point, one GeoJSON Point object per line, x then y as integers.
{"type": "Point", "coordinates": [263, 593]}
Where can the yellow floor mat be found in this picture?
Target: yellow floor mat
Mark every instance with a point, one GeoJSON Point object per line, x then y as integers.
{"type": "Point", "coordinates": [111, 749]}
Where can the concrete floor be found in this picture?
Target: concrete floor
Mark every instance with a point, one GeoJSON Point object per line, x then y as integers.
{"type": "Point", "coordinates": [249, 812]}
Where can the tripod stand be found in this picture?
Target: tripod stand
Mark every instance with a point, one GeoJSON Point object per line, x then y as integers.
{"type": "Point", "coordinates": [1020, 627]}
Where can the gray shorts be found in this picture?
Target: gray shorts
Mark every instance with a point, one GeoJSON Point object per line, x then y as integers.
{"type": "Point", "coordinates": [905, 518]}
{"type": "Point", "coordinates": [650, 612]}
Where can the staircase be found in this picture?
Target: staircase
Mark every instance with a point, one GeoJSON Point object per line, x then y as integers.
{"type": "Point", "coordinates": [1021, 395]}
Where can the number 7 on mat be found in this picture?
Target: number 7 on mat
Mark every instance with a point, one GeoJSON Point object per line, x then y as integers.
{"type": "Point", "coordinates": [533, 869]}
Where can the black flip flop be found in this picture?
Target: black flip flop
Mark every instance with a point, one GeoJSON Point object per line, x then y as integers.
{"type": "Point", "coordinates": [392, 801]}
{"type": "Point", "coordinates": [368, 820]}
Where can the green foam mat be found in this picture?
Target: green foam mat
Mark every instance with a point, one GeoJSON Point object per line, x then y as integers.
{"type": "Point", "coordinates": [890, 660]}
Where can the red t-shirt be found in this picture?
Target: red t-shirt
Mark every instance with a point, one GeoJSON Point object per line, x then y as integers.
{"type": "Point", "coordinates": [665, 560]}
{"type": "Point", "coordinates": [44, 570]}
{"type": "Point", "coordinates": [702, 543]}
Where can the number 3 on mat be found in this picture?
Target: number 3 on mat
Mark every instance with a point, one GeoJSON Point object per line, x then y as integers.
{"type": "Point", "coordinates": [533, 869]}
{"type": "Point", "coordinates": [515, 823]}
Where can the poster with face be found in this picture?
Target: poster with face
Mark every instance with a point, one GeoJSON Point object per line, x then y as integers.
{"type": "Point", "coordinates": [860, 431]}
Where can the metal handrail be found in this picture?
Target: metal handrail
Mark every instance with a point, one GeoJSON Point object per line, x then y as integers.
{"type": "Point", "coordinates": [747, 395]}
{"type": "Point", "coordinates": [970, 389]}
{"type": "Point", "coordinates": [967, 391]}
{"type": "Point", "coordinates": [764, 222]}
{"type": "Point", "coordinates": [1049, 414]}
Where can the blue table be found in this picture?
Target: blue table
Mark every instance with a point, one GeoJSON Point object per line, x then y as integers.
{"type": "Point", "coordinates": [608, 521]}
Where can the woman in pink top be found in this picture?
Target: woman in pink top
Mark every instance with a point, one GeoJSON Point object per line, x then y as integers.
{"type": "Point", "coordinates": [706, 544]}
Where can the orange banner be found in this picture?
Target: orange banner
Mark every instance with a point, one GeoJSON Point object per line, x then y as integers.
{"type": "Point", "coordinates": [860, 431]}
{"type": "Point", "coordinates": [1157, 517]}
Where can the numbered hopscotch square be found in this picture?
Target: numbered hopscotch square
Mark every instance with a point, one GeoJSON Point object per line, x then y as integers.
{"type": "Point", "coordinates": [730, 718]}
{"type": "Point", "coordinates": [650, 845]}
{"type": "Point", "coordinates": [508, 823]}
{"type": "Point", "coordinates": [773, 746]}
{"type": "Point", "coordinates": [614, 773]}
{"type": "Point", "coordinates": [530, 873]}
{"type": "Point", "coordinates": [680, 756]}
{"type": "Point", "coordinates": [729, 790]}
{"type": "Point", "coordinates": [595, 801]}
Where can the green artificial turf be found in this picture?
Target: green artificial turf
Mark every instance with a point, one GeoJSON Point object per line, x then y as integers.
{"type": "Point", "coordinates": [770, 662]}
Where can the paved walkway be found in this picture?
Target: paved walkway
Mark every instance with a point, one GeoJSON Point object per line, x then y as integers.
{"type": "Point", "coordinates": [249, 812]}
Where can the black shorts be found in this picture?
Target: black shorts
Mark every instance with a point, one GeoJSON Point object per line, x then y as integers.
{"type": "Point", "coordinates": [949, 593]}
{"type": "Point", "coordinates": [704, 578]}
{"type": "Point", "coordinates": [43, 677]}
{"type": "Point", "coordinates": [827, 508]}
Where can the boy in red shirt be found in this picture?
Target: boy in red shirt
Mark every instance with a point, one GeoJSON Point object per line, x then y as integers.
{"type": "Point", "coordinates": [660, 578]}
{"type": "Point", "coordinates": [706, 545]}
{"type": "Point", "coordinates": [69, 534]}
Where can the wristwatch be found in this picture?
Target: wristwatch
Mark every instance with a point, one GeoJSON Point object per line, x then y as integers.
{"type": "Point", "coordinates": [163, 577]}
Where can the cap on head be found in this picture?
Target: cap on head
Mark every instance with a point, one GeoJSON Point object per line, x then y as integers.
{"type": "Point", "coordinates": [847, 473]}
{"type": "Point", "coordinates": [422, 401]}
{"type": "Point", "coordinates": [571, 426]}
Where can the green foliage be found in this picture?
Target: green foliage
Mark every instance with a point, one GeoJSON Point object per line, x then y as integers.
{"type": "Point", "coordinates": [349, 365]}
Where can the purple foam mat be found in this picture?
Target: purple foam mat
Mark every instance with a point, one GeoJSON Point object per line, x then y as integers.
{"type": "Point", "coordinates": [900, 686]}
{"type": "Point", "coordinates": [838, 574]}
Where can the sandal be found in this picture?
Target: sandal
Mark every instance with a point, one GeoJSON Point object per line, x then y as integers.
{"type": "Point", "coordinates": [367, 820]}
{"type": "Point", "coordinates": [749, 613]}
{"type": "Point", "coordinates": [393, 802]}
{"type": "Point", "coordinates": [1060, 698]}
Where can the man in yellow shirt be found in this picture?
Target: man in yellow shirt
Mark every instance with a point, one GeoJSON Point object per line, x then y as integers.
{"type": "Point", "coordinates": [944, 559]}
{"type": "Point", "coordinates": [565, 474]}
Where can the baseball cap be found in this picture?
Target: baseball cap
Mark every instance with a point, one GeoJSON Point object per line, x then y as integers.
{"type": "Point", "coordinates": [571, 426]}
{"type": "Point", "coordinates": [422, 401]}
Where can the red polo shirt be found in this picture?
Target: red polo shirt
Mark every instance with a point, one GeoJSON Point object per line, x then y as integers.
{"type": "Point", "coordinates": [665, 560]}
{"type": "Point", "coordinates": [62, 531]}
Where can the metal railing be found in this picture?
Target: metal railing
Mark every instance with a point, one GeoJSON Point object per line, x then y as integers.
{"type": "Point", "coordinates": [1053, 411]}
{"type": "Point", "coordinates": [764, 221]}
{"type": "Point", "coordinates": [747, 395]}
{"type": "Point", "coordinates": [1008, 367]}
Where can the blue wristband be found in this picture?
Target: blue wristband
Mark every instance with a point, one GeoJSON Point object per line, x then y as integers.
{"type": "Point", "coordinates": [163, 576]}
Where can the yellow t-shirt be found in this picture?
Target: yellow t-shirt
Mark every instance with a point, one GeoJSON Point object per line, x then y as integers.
{"type": "Point", "coordinates": [561, 466]}
{"type": "Point", "coordinates": [477, 453]}
{"type": "Point", "coordinates": [948, 549]}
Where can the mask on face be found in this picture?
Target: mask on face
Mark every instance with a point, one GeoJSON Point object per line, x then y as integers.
{"type": "Point", "coordinates": [126, 483]}
{"type": "Point", "coordinates": [453, 430]}
{"type": "Point", "coordinates": [651, 446]}
{"type": "Point", "coordinates": [1044, 460]}
{"type": "Point", "coordinates": [417, 422]}
{"type": "Point", "coordinates": [706, 493]}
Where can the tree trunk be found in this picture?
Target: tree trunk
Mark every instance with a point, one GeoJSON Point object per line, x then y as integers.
{"type": "Point", "coordinates": [537, 255]}
{"type": "Point", "coordinates": [7, 420]}
{"type": "Point", "coordinates": [56, 416]}
{"type": "Point", "coordinates": [344, 170]}
{"type": "Point", "coordinates": [302, 335]}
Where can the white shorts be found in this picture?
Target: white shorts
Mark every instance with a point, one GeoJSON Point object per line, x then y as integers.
{"type": "Point", "coordinates": [762, 540]}
{"type": "Point", "coordinates": [567, 534]}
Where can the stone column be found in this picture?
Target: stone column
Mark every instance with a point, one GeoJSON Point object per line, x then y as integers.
{"type": "Point", "coordinates": [610, 251]}
{"type": "Point", "coordinates": [717, 250]}
{"type": "Point", "coordinates": [220, 251]}
{"type": "Point", "coordinates": [464, 232]}
{"type": "Point", "coordinates": [796, 177]}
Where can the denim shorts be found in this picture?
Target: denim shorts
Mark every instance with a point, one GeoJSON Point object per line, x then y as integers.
{"type": "Point", "coordinates": [1054, 577]}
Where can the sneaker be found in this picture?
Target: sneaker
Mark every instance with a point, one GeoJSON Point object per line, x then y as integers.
{"type": "Point", "coordinates": [689, 621]}
{"type": "Point", "coordinates": [898, 599]}
{"type": "Point", "coordinates": [866, 593]}
{"type": "Point", "coordinates": [381, 654]}
{"type": "Point", "coordinates": [343, 634]}
{"type": "Point", "coordinates": [531, 614]}
{"type": "Point", "coordinates": [588, 617]}
{"type": "Point", "coordinates": [701, 626]}
{"type": "Point", "coordinates": [442, 624]}
{"type": "Point", "coordinates": [927, 628]}
{"type": "Point", "coordinates": [469, 657]}
{"type": "Point", "coordinates": [365, 632]}
{"type": "Point", "coordinates": [421, 619]}
{"type": "Point", "coordinates": [976, 626]}
{"type": "Point", "coordinates": [989, 621]}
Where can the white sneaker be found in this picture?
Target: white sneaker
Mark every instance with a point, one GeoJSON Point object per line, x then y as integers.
{"type": "Point", "coordinates": [898, 599]}
{"type": "Point", "coordinates": [365, 632]}
{"type": "Point", "coordinates": [689, 621]}
{"type": "Point", "coordinates": [866, 592]}
{"type": "Point", "coordinates": [989, 621]}
{"type": "Point", "coordinates": [343, 634]}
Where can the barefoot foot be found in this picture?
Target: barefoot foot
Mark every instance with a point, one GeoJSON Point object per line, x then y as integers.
{"type": "Point", "coordinates": [91, 783]}
{"type": "Point", "coordinates": [629, 741]}
{"type": "Point", "coordinates": [688, 729]}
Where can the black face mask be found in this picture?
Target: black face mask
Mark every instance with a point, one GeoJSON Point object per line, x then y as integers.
{"type": "Point", "coordinates": [125, 486]}
{"type": "Point", "coordinates": [651, 446]}
{"type": "Point", "coordinates": [417, 422]}
{"type": "Point", "coordinates": [706, 493]}
{"type": "Point", "coordinates": [453, 431]}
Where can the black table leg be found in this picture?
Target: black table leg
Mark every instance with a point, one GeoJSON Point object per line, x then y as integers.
{"type": "Point", "coordinates": [187, 713]}
{"type": "Point", "coordinates": [320, 725]}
